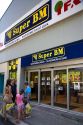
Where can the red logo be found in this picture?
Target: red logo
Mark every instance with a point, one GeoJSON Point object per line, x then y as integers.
{"type": "Point", "coordinates": [65, 5]}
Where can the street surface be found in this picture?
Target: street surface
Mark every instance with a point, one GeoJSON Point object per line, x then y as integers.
{"type": "Point", "coordinates": [3, 122]}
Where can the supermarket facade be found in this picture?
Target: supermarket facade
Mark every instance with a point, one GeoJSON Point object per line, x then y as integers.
{"type": "Point", "coordinates": [45, 48]}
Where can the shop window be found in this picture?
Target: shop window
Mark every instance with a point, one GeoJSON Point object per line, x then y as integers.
{"type": "Point", "coordinates": [76, 89]}
{"type": "Point", "coordinates": [13, 69]}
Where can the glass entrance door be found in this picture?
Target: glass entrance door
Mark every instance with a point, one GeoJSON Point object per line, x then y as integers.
{"type": "Point", "coordinates": [34, 85]}
{"type": "Point", "coordinates": [45, 87]}
{"type": "Point", "coordinates": [60, 88]}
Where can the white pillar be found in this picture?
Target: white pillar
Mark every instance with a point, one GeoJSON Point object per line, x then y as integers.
{"type": "Point", "coordinates": [6, 72]}
{"type": "Point", "coordinates": [52, 88]}
{"type": "Point", "coordinates": [67, 90]}
{"type": "Point", "coordinates": [39, 87]}
{"type": "Point", "coordinates": [18, 74]}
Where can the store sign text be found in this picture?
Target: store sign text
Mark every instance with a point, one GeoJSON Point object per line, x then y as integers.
{"type": "Point", "coordinates": [46, 55]}
{"type": "Point", "coordinates": [35, 19]}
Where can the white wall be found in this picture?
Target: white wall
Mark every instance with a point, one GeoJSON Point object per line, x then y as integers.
{"type": "Point", "coordinates": [66, 31]}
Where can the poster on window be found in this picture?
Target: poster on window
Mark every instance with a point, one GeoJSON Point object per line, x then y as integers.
{"type": "Point", "coordinates": [48, 83]}
{"type": "Point", "coordinates": [43, 83]}
{"type": "Point", "coordinates": [76, 86]}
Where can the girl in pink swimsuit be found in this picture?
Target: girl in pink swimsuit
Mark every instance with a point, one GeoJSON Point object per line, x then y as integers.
{"type": "Point", "coordinates": [20, 105]}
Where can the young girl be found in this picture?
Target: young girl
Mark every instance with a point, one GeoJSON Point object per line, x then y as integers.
{"type": "Point", "coordinates": [20, 105]}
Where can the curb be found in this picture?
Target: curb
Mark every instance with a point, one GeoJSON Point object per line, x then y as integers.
{"type": "Point", "coordinates": [8, 121]}
{"type": "Point", "coordinates": [11, 120]}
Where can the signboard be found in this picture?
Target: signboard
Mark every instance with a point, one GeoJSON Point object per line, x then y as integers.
{"type": "Point", "coordinates": [68, 51]}
{"type": "Point", "coordinates": [48, 13]}
{"type": "Point", "coordinates": [35, 19]}
{"type": "Point", "coordinates": [62, 9]}
{"type": "Point", "coordinates": [51, 55]}
{"type": "Point", "coordinates": [46, 55]}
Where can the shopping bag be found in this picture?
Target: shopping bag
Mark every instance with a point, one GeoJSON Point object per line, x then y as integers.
{"type": "Point", "coordinates": [28, 108]}
{"type": "Point", "coordinates": [9, 106]}
{"type": "Point", "coordinates": [0, 111]}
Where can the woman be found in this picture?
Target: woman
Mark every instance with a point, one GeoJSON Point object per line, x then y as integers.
{"type": "Point", "coordinates": [13, 89]}
{"type": "Point", "coordinates": [7, 96]}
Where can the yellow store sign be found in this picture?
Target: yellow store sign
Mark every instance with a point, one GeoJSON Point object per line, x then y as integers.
{"type": "Point", "coordinates": [49, 54]}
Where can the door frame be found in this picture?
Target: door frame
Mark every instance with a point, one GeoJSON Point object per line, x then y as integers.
{"type": "Point", "coordinates": [56, 69]}
{"type": "Point", "coordinates": [44, 70]}
{"type": "Point", "coordinates": [69, 67]}
{"type": "Point", "coordinates": [29, 71]}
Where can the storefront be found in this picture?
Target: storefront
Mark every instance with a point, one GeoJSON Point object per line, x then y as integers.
{"type": "Point", "coordinates": [48, 43]}
{"type": "Point", "coordinates": [56, 76]}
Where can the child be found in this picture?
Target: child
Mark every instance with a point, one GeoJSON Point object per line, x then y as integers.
{"type": "Point", "coordinates": [20, 105]}
{"type": "Point", "coordinates": [27, 91]}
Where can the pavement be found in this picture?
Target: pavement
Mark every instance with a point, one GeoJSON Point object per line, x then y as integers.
{"type": "Point", "coordinates": [48, 115]}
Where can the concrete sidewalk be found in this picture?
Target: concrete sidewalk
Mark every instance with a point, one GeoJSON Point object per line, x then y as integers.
{"type": "Point", "coordinates": [42, 115]}
{"type": "Point", "coordinates": [47, 115]}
